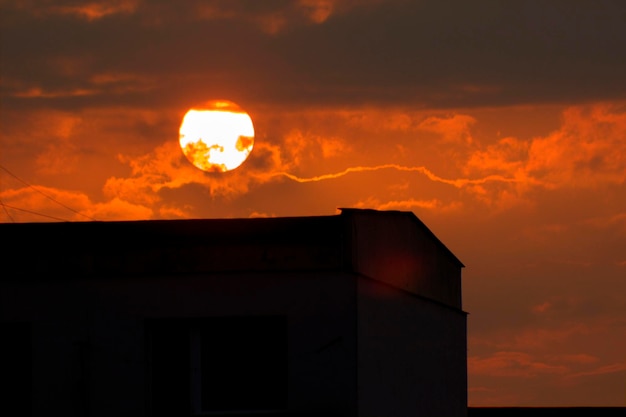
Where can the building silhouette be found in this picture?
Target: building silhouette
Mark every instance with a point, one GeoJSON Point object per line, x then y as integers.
{"type": "Point", "coordinates": [354, 314]}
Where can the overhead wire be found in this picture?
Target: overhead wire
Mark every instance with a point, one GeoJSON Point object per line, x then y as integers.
{"type": "Point", "coordinates": [32, 212]}
{"type": "Point", "coordinates": [45, 195]}
{"type": "Point", "coordinates": [6, 211]}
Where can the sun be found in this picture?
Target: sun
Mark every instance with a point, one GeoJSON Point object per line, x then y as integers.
{"type": "Point", "coordinates": [217, 136]}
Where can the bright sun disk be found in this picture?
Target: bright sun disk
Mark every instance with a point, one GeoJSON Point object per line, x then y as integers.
{"type": "Point", "coordinates": [217, 137]}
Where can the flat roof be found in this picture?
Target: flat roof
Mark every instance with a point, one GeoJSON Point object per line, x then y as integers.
{"type": "Point", "coordinates": [54, 244]}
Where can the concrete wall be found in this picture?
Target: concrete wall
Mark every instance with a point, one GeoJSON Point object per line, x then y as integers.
{"type": "Point", "coordinates": [88, 335]}
{"type": "Point", "coordinates": [411, 355]}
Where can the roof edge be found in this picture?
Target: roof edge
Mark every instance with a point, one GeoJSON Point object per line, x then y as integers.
{"type": "Point", "coordinates": [414, 218]}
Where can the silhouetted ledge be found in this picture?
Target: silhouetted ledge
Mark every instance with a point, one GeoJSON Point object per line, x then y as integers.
{"type": "Point", "coordinates": [392, 244]}
{"type": "Point", "coordinates": [545, 411]}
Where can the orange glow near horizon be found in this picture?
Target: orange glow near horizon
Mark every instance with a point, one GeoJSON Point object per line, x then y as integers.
{"type": "Point", "coordinates": [217, 137]}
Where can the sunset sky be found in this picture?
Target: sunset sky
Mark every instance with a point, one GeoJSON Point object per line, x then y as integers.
{"type": "Point", "coordinates": [500, 124]}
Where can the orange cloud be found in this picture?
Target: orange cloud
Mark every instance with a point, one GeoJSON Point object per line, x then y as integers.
{"type": "Point", "coordinates": [587, 151]}
{"type": "Point", "coordinates": [614, 221]}
{"type": "Point", "coordinates": [541, 308]}
{"type": "Point", "coordinates": [97, 85]}
{"type": "Point", "coordinates": [455, 128]}
{"type": "Point", "coordinates": [533, 338]}
{"type": "Point", "coordinates": [256, 214]}
{"type": "Point", "coordinates": [32, 203]}
{"type": "Point", "coordinates": [332, 147]}
{"type": "Point", "coordinates": [507, 156]}
{"type": "Point", "coordinates": [580, 358]}
{"type": "Point", "coordinates": [117, 82]}
{"type": "Point", "coordinates": [318, 11]}
{"type": "Point", "coordinates": [166, 168]}
{"type": "Point", "coordinates": [602, 370]}
{"type": "Point", "coordinates": [275, 18]}
{"type": "Point", "coordinates": [400, 204]}
{"type": "Point", "coordinates": [58, 158]}
{"type": "Point", "coordinates": [305, 146]}
{"type": "Point", "coordinates": [118, 209]}
{"type": "Point", "coordinates": [162, 168]}
{"type": "Point", "coordinates": [562, 323]}
{"type": "Point", "coordinates": [269, 20]}
{"type": "Point", "coordinates": [301, 146]}
{"type": "Point", "coordinates": [512, 364]}
{"type": "Point", "coordinates": [408, 204]}
{"type": "Point", "coordinates": [63, 146]}
{"type": "Point", "coordinates": [51, 204]}
{"type": "Point", "coordinates": [38, 92]}
{"type": "Point", "coordinates": [49, 133]}
{"type": "Point", "coordinates": [95, 10]}
{"type": "Point", "coordinates": [381, 120]}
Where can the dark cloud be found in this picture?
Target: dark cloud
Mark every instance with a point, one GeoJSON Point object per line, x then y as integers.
{"type": "Point", "coordinates": [467, 52]}
{"type": "Point", "coordinates": [424, 53]}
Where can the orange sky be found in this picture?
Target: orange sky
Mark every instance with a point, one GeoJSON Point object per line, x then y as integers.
{"type": "Point", "coordinates": [502, 126]}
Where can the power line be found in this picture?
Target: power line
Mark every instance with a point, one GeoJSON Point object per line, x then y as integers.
{"type": "Point", "coordinates": [45, 195]}
{"type": "Point", "coordinates": [7, 211]}
{"type": "Point", "coordinates": [31, 212]}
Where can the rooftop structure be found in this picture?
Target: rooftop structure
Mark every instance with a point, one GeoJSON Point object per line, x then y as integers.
{"type": "Point", "coordinates": [355, 314]}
